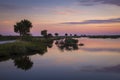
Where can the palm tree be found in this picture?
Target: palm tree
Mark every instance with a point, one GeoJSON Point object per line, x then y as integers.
{"type": "Point", "coordinates": [75, 35]}
{"type": "Point", "coordinates": [44, 33]}
{"type": "Point", "coordinates": [71, 35]}
{"type": "Point", "coordinates": [0, 35]}
{"type": "Point", "coordinates": [50, 35]}
{"type": "Point", "coordinates": [23, 27]}
{"type": "Point", "coordinates": [66, 34]}
{"type": "Point", "coordinates": [56, 34]}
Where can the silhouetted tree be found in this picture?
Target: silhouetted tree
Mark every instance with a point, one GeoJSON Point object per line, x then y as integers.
{"type": "Point", "coordinates": [75, 35]}
{"type": "Point", "coordinates": [56, 34]}
{"type": "Point", "coordinates": [70, 35]}
{"type": "Point", "coordinates": [50, 35]}
{"type": "Point", "coordinates": [44, 33]}
{"type": "Point", "coordinates": [66, 34]}
{"type": "Point", "coordinates": [0, 35]}
{"type": "Point", "coordinates": [23, 27]}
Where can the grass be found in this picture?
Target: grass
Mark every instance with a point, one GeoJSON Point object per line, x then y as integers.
{"type": "Point", "coordinates": [4, 38]}
{"type": "Point", "coordinates": [22, 48]}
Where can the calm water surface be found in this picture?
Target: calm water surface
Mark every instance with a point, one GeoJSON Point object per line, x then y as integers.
{"type": "Point", "coordinates": [98, 59]}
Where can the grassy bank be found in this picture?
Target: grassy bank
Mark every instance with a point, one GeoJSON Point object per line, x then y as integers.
{"type": "Point", "coordinates": [5, 38]}
{"type": "Point", "coordinates": [22, 48]}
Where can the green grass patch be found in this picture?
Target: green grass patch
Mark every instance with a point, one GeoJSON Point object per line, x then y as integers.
{"type": "Point", "coordinates": [22, 48]}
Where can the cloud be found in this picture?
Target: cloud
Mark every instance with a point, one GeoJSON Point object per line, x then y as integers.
{"type": "Point", "coordinates": [61, 10]}
{"type": "Point", "coordinates": [66, 12]}
{"type": "Point", "coordinates": [115, 20]}
{"type": "Point", "coordinates": [6, 6]}
{"type": "Point", "coordinates": [6, 22]}
{"type": "Point", "coordinates": [95, 2]}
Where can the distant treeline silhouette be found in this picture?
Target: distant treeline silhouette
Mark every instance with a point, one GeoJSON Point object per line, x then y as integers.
{"type": "Point", "coordinates": [81, 36]}
{"type": "Point", "coordinates": [23, 29]}
{"type": "Point", "coordinates": [104, 36]}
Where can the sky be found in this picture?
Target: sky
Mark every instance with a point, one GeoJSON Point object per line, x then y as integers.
{"type": "Point", "coordinates": [90, 17]}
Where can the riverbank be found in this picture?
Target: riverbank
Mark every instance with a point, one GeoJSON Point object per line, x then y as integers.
{"type": "Point", "coordinates": [6, 38]}
{"type": "Point", "coordinates": [22, 48]}
{"type": "Point", "coordinates": [8, 41]}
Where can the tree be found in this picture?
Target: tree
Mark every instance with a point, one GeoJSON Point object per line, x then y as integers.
{"type": "Point", "coordinates": [44, 33]}
{"type": "Point", "coordinates": [66, 34]}
{"type": "Point", "coordinates": [0, 35]}
{"type": "Point", "coordinates": [23, 27]}
{"type": "Point", "coordinates": [75, 35]}
{"type": "Point", "coordinates": [56, 34]}
{"type": "Point", "coordinates": [49, 35]}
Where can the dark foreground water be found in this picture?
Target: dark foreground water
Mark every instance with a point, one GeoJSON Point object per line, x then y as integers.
{"type": "Point", "coordinates": [98, 59]}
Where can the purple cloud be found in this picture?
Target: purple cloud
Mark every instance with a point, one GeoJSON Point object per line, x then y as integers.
{"type": "Point", "coordinates": [95, 2]}
{"type": "Point", "coordinates": [115, 20]}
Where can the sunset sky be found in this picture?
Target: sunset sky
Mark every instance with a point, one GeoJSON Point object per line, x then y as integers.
{"type": "Point", "coordinates": [71, 16]}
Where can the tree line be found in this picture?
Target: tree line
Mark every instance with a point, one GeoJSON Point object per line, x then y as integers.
{"type": "Point", "coordinates": [23, 28]}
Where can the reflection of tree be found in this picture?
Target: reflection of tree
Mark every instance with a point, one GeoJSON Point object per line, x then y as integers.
{"type": "Point", "coordinates": [50, 45]}
{"type": "Point", "coordinates": [23, 63]}
{"type": "Point", "coordinates": [67, 44]}
{"type": "Point", "coordinates": [42, 51]}
{"type": "Point", "coordinates": [71, 47]}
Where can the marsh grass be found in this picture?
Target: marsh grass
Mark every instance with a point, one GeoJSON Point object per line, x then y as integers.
{"type": "Point", "coordinates": [5, 38]}
{"type": "Point", "coordinates": [21, 48]}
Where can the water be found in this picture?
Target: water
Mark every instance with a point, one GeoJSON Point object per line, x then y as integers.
{"type": "Point", "coordinates": [10, 41]}
{"type": "Point", "coordinates": [98, 59]}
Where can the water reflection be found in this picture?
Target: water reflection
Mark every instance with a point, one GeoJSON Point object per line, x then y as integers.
{"type": "Point", "coordinates": [67, 44]}
{"type": "Point", "coordinates": [50, 45]}
{"type": "Point", "coordinates": [110, 69]}
{"type": "Point", "coordinates": [115, 68]}
{"type": "Point", "coordinates": [4, 58]}
{"type": "Point", "coordinates": [96, 59]}
{"type": "Point", "coordinates": [101, 49]}
{"type": "Point", "coordinates": [23, 62]}
{"type": "Point", "coordinates": [68, 48]}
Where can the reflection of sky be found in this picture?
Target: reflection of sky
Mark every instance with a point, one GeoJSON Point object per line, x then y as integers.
{"type": "Point", "coordinates": [84, 17]}
{"type": "Point", "coordinates": [72, 65]}
{"type": "Point", "coordinates": [111, 69]}
{"type": "Point", "coordinates": [101, 49]}
{"type": "Point", "coordinates": [109, 56]}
